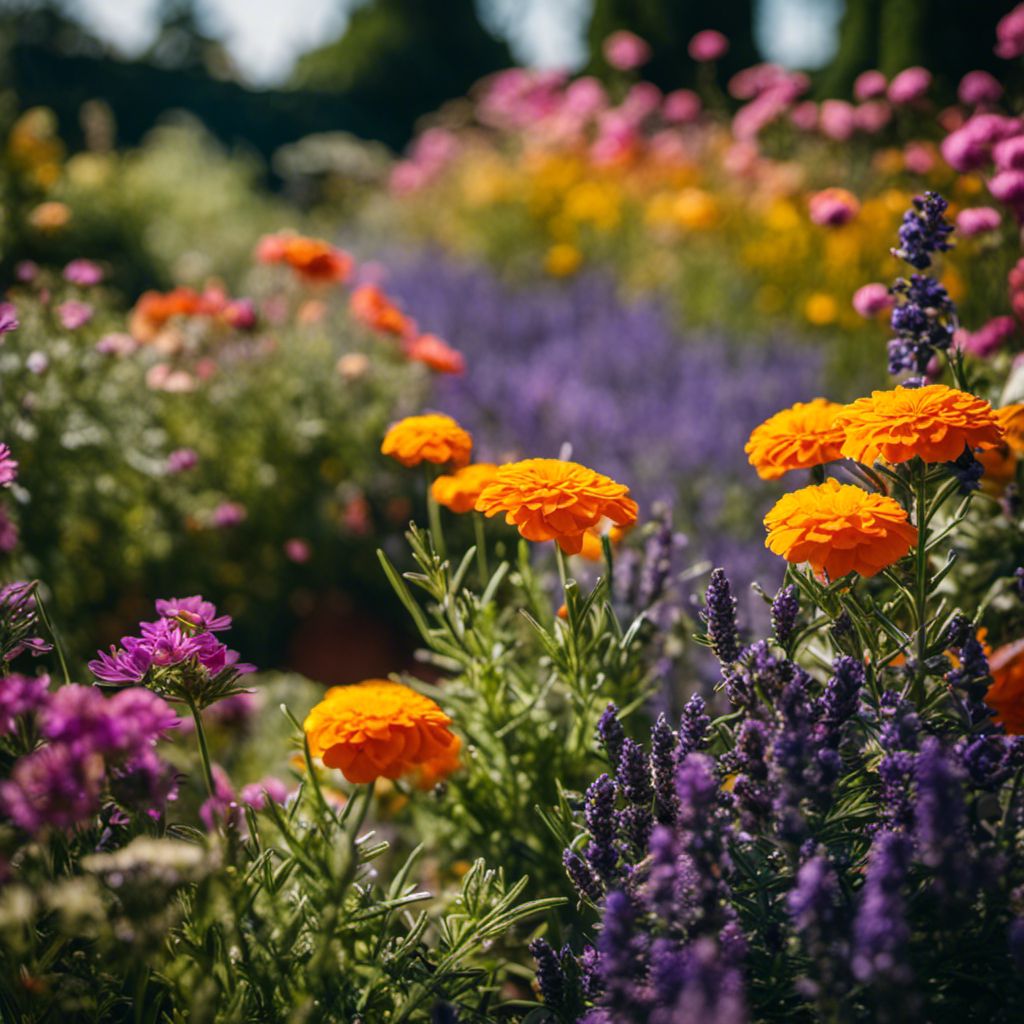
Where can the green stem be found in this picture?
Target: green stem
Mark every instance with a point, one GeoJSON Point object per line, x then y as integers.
{"type": "Point", "coordinates": [204, 750]}
{"type": "Point", "coordinates": [434, 517]}
{"type": "Point", "coordinates": [921, 582]}
{"type": "Point", "coordinates": [49, 625]}
{"type": "Point", "coordinates": [481, 548]}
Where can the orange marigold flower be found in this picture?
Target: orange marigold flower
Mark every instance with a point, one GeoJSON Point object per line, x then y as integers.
{"type": "Point", "coordinates": [370, 306]}
{"type": "Point", "coordinates": [153, 309]}
{"type": "Point", "coordinates": [377, 728]}
{"type": "Point", "coordinates": [549, 499]}
{"type": "Point", "coordinates": [802, 436]}
{"type": "Point", "coordinates": [839, 528]}
{"type": "Point", "coordinates": [593, 548]}
{"type": "Point", "coordinates": [436, 353]}
{"type": "Point", "coordinates": [935, 422]}
{"type": "Point", "coordinates": [460, 490]}
{"type": "Point", "coordinates": [430, 438]}
{"type": "Point", "coordinates": [1000, 461]}
{"type": "Point", "coordinates": [1006, 694]}
{"type": "Point", "coordinates": [311, 258]}
{"type": "Point", "coordinates": [437, 769]}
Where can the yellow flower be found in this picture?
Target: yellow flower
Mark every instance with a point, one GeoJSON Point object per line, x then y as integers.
{"type": "Point", "coordinates": [821, 309]}
{"type": "Point", "coordinates": [562, 259]}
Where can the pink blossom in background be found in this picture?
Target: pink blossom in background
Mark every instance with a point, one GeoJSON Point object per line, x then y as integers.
{"type": "Point", "coordinates": [1010, 34]}
{"type": "Point", "coordinates": [872, 299]}
{"type": "Point", "coordinates": [708, 45]}
{"type": "Point", "coordinates": [617, 140]}
{"type": "Point", "coordinates": [836, 120]}
{"type": "Point", "coordinates": [667, 146]}
{"type": "Point", "coordinates": [919, 157]}
{"type": "Point", "coordinates": [584, 97]}
{"type": "Point", "coordinates": [833, 207]}
{"type": "Point", "coordinates": [8, 318]}
{"type": "Point", "coordinates": [73, 314]}
{"type": "Point", "coordinates": [681, 106]}
{"type": "Point", "coordinates": [256, 794]}
{"type": "Point", "coordinates": [26, 271]}
{"type": "Point", "coordinates": [752, 81]}
{"type": "Point", "coordinates": [37, 362]}
{"type": "Point", "coordinates": [869, 84]}
{"type": "Point", "coordinates": [741, 159]}
{"type": "Point", "coordinates": [1008, 187]}
{"type": "Point", "coordinates": [406, 178]}
{"type": "Point", "coordinates": [297, 550]}
{"type": "Point", "coordinates": [978, 87]}
{"type": "Point", "coordinates": [624, 50]}
{"type": "Point", "coordinates": [642, 99]}
{"type": "Point", "coordinates": [8, 533]}
{"type": "Point", "coordinates": [181, 459]}
{"type": "Point", "coordinates": [976, 220]}
{"type": "Point", "coordinates": [227, 514]}
{"type": "Point", "coordinates": [161, 377]}
{"type": "Point", "coordinates": [116, 345]}
{"type": "Point", "coordinates": [8, 467]}
{"type": "Point", "coordinates": [969, 147]}
{"type": "Point", "coordinates": [909, 85]}
{"type": "Point", "coordinates": [951, 118]}
{"type": "Point", "coordinates": [1009, 154]}
{"type": "Point", "coordinates": [984, 341]}
{"type": "Point", "coordinates": [83, 272]}
{"type": "Point", "coordinates": [804, 116]}
{"type": "Point", "coordinates": [872, 116]}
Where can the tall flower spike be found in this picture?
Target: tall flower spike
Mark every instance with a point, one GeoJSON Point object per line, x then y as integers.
{"type": "Point", "coordinates": [720, 616]}
{"type": "Point", "coordinates": [785, 609]}
{"type": "Point", "coordinates": [663, 770]}
{"type": "Point", "coordinates": [611, 735]}
{"type": "Point", "coordinates": [924, 231]}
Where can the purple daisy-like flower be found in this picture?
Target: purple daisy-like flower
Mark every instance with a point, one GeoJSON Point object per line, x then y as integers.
{"type": "Point", "coordinates": [129, 664]}
{"type": "Point", "coordinates": [8, 318]}
{"type": "Point", "coordinates": [54, 786]}
{"type": "Point", "coordinates": [20, 695]}
{"type": "Point", "coordinates": [200, 613]}
{"type": "Point", "coordinates": [74, 314]}
{"type": "Point", "coordinates": [142, 718]}
{"type": "Point", "coordinates": [83, 272]}
{"type": "Point", "coordinates": [8, 467]}
{"type": "Point", "coordinates": [79, 717]}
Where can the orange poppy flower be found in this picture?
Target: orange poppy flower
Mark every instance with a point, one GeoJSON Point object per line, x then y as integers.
{"type": "Point", "coordinates": [839, 528]}
{"type": "Point", "coordinates": [311, 258]}
{"type": "Point", "coordinates": [370, 306]}
{"type": "Point", "coordinates": [549, 499]}
{"type": "Point", "coordinates": [935, 422]}
{"type": "Point", "coordinates": [460, 490]}
{"type": "Point", "coordinates": [1006, 694]}
{"type": "Point", "coordinates": [435, 353]}
{"type": "Point", "coordinates": [153, 309]}
{"type": "Point", "coordinates": [802, 436]}
{"type": "Point", "coordinates": [377, 728]}
{"type": "Point", "coordinates": [1000, 461]}
{"type": "Point", "coordinates": [431, 438]}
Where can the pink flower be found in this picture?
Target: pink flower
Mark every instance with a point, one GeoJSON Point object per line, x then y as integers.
{"type": "Point", "coordinates": [984, 341]}
{"type": "Point", "coordinates": [73, 314]}
{"type": "Point", "coordinates": [976, 220]}
{"type": "Point", "coordinates": [869, 84]}
{"type": "Point", "coordinates": [872, 116]}
{"type": "Point", "coordinates": [625, 50]}
{"type": "Point", "coordinates": [871, 299]}
{"type": "Point", "coordinates": [160, 377]}
{"type": "Point", "coordinates": [8, 318]}
{"type": "Point", "coordinates": [37, 362]}
{"type": "Point", "coordinates": [116, 345]}
{"type": "Point", "coordinates": [833, 207]}
{"type": "Point", "coordinates": [83, 272]}
{"type": "Point", "coordinates": [752, 81]}
{"type": "Point", "coordinates": [681, 106]}
{"type": "Point", "coordinates": [1010, 34]}
{"type": "Point", "coordinates": [918, 157]}
{"type": "Point", "coordinates": [256, 794]}
{"type": "Point", "coordinates": [1008, 187]}
{"type": "Point", "coordinates": [1009, 154]}
{"type": "Point", "coordinates": [978, 87]}
{"type": "Point", "coordinates": [642, 99]}
{"type": "Point", "coordinates": [227, 514]}
{"type": "Point", "coordinates": [804, 116]}
{"type": "Point", "coordinates": [8, 467]}
{"type": "Point", "coordinates": [708, 45]}
{"type": "Point", "coordinates": [26, 271]}
{"type": "Point", "coordinates": [909, 85]}
{"type": "Point", "coordinates": [180, 460]}
{"type": "Point", "coordinates": [297, 550]}
{"type": "Point", "coordinates": [836, 121]}
{"type": "Point", "coordinates": [584, 97]}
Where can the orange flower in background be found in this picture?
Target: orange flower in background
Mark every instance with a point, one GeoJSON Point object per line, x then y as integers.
{"type": "Point", "coordinates": [435, 353]}
{"type": "Point", "coordinates": [378, 728]}
{"type": "Point", "coordinates": [460, 490]}
{"type": "Point", "coordinates": [311, 258]}
{"type": "Point", "coordinates": [548, 499]}
{"type": "Point", "coordinates": [593, 548]}
{"type": "Point", "coordinates": [802, 436]}
{"type": "Point", "coordinates": [934, 422]}
{"type": "Point", "coordinates": [153, 309]}
{"type": "Point", "coordinates": [839, 528]}
{"type": "Point", "coordinates": [1000, 461]}
{"type": "Point", "coordinates": [437, 769]}
{"type": "Point", "coordinates": [370, 306]}
{"type": "Point", "coordinates": [431, 438]}
{"type": "Point", "coordinates": [1006, 694]}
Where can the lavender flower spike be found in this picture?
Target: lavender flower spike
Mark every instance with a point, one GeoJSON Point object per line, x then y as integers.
{"type": "Point", "coordinates": [720, 616]}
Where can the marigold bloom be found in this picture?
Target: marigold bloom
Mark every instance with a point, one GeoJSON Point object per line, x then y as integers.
{"type": "Point", "coordinates": [839, 528]}
{"type": "Point", "coordinates": [437, 769]}
{"type": "Point", "coordinates": [431, 438]}
{"type": "Point", "coordinates": [935, 422]}
{"type": "Point", "coordinates": [802, 436]}
{"type": "Point", "coordinates": [1006, 694]}
{"type": "Point", "coordinates": [370, 306]}
{"type": "Point", "coordinates": [548, 499]}
{"type": "Point", "coordinates": [460, 490]}
{"type": "Point", "coordinates": [436, 353]}
{"type": "Point", "coordinates": [377, 728]}
{"type": "Point", "coordinates": [1000, 461]}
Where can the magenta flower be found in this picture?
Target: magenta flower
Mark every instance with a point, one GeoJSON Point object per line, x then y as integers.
{"type": "Point", "coordinates": [116, 345]}
{"type": "Point", "coordinates": [8, 533]}
{"type": "Point", "coordinates": [872, 116]}
{"type": "Point", "coordinates": [146, 783]}
{"type": "Point", "coordinates": [201, 614]}
{"type": "Point", "coordinates": [978, 87]}
{"type": "Point", "coordinates": [227, 514]}
{"type": "Point", "coordinates": [74, 314]}
{"type": "Point", "coordinates": [1009, 154]}
{"type": "Point", "coordinates": [804, 116]}
{"type": "Point", "coordinates": [26, 271]}
{"type": "Point", "coordinates": [836, 120]}
{"type": "Point", "coordinates": [129, 664]}
{"type": "Point", "coordinates": [79, 717]}
{"type": "Point", "coordinates": [297, 550]}
{"type": "Point", "coordinates": [976, 220]}
{"type": "Point", "coordinates": [681, 106]}
{"type": "Point", "coordinates": [871, 299]}
{"type": "Point", "coordinates": [1010, 34]}
{"type": "Point", "coordinates": [987, 339]}
{"type": "Point", "coordinates": [20, 695]}
{"type": "Point", "coordinates": [8, 467]}
{"type": "Point", "coordinates": [8, 318]}
{"type": "Point", "coordinates": [83, 272]}
{"type": "Point", "coordinates": [909, 85]}
{"type": "Point", "coordinates": [832, 207]}
{"type": "Point", "coordinates": [181, 459]}
{"type": "Point", "coordinates": [869, 84]}
{"type": "Point", "coordinates": [918, 157]}
{"type": "Point", "coordinates": [708, 45]}
{"type": "Point", "coordinates": [624, 50]}
{"type": "Point", "coordinates": [53, 787]}
{"type": "Point", "coordinates": [1008, 187]}
{"type": "Point", "coordinates": [256, 794]}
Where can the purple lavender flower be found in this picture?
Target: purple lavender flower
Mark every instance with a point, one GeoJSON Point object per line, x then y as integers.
{"type": "Point", "coordinates": [622, 960]}
{"type": "Point", "coordinates": [657, 564]}
{"type": "Point", "coordinates": [83, 272]}
{"type": "Point", "coordinates": [8, 318]}
{"type": "Point", "coordinates": [610, 735]}
{"type": "Point", "coordinates": [582, 877]}
{"type": "Point", "coordinates": [785, 609]}
{"type": "Point", "coordinates": [20, 695]}
{"type": "Point", "coordinates": [8, 467]}
{"type": "Point", "coordinates": [720, 615]}
{"type": "Point", "coordinates": [633, 779]}
{"type": "Point", "coordinates": [181, 459]}
{"type": "Point", "coordinates": [602, 851]}
{"type": "Point", "coordinates": [924, 231]}
{"type": "Point", "coordinates": [693, 726]}
{"type": "Point", "coordinates": [74, 314]}
{"type": "Point", "coordinates": [550, 976]}
{"type": "Point", "coordinates": [54, 787]}
{"type": "Point", "coordinates": [968, 470]}
{"type": "Point", "coordinates": [663, 771]}
{"type": "Point", "coordinates": [841, 698]}
{"type": "Point", "coordinates": [711, 992]}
